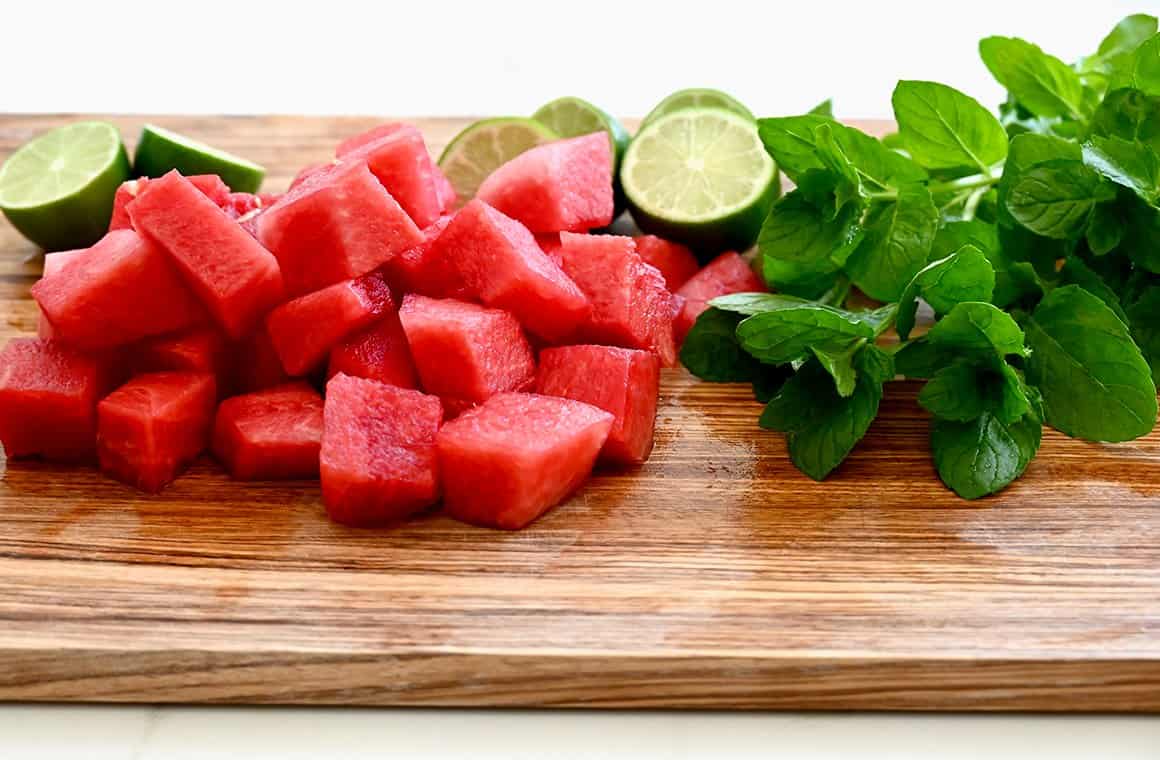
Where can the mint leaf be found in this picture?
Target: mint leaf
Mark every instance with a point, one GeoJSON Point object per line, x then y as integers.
{"type": "Point", "coordinates": [1142, 234]}
{"type": "Point", "coordinates": [801, 248]}
{"type": "Point", "coordinates": [791, 141]}
{"type": "Point", "coordinates": [1054, 199]}
{"type": "Point", "coordinates": [786, 335]}
{"type": "Point", "coordinates": [965, 275]}
{"type": "Point", "coordinates": [1130, 115]}
{"type": "Point", "coordinates": [984, 455]}
{"type": "Point", "coordinates": [1094, 381]}
{"type": "Point", "coordinates": [899, 235]}
{"type": "Point", "coordinates": [1142, 70]}
{"type": "Point", "coordinates": [1105, 230]}
{"type": "Point", "coordinates": [840, 365]}
{"type": "Point", "coordinates": [1043, 84]}
{"type": "Point", "coordinates": [1130, 164]}
{"type": "Point", "coordinates": [1144, 317]}
{"type": "Point", "coordinates": [849, 185]}
{"type": "Point", "coordinates": [825, 108]}
{"type": "Point", "coordinates": [1028, 150]}
{"type": "Point", "coordinates": [1076, 272]}
{"type": "Point", "coordinates": [1014, 280]}
{"type": "Point", "coordinates": [1128, 35]}
{"type": "Point", "coordinates": [944, 129]}
{"type": "Point", "coordinates": [962, 391]}
{"type": "Point", "coordinates": [769, 381]}
{"type": "Point", "coordinates": [756, 303]}
{"type": "Point", "coordinates": [920, 359]}
{"type": "Point", "coordinates": [978, 329]}
{"type": "Point", "coordinates": [711, 350]}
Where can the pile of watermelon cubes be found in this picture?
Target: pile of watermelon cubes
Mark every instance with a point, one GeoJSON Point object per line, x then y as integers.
{"type": "Point", "coordinates": [363, 330]}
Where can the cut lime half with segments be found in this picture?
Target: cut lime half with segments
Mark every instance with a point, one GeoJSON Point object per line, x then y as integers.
{"type": "Point", "coordinates": [58, 189]}
{"type": "Point", "coordinates": [487, 145]}
{"type": "Point", "coordinates": [697, 97]}
{"type": "Point", "coordinates": [700, 177]}
{"type": "Point", "coordinates": [160, 150]}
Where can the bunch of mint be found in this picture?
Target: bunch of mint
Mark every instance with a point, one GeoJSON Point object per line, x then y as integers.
{"type": "Point", "coordinates": [1033, 236]}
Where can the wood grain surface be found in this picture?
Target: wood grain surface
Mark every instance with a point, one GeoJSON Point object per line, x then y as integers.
{"type": "Point", "coordinates": [715, 576]}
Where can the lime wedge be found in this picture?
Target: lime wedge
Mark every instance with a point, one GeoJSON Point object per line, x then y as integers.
{"type": "Point", "coordinates": [485, 146]}
{"type": "Point", "coordinates": [58, 189]}
{"type": "Point", "coordinates": [160, 150]}
{"type": "Point", "coordinates": [700, 176]}
{"type": "Point", "coordinates": [697, 97]}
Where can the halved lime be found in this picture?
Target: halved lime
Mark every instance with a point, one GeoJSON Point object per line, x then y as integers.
{"type": "Point", "coordinates": [572, 117]}
{"type": "Point", "coordinates": [58, 188]}
{"type": "Point", "coordinates": [697, 97]}
{"type": "Point", "coordinates": [700, 176]}
{"type": "Point", "coordinates": [159, 151]}
{"type": "Point", "coordinates": [485, 146]}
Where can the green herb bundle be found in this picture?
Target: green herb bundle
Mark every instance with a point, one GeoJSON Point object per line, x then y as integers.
{"type": "Point", "coordinates": [1033, 236]}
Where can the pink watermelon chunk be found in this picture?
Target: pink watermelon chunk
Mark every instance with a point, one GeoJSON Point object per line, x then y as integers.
{"type": "Point", "coordinates": [275, 434]}
{"type": "Point", "coordinates": [53, 263]}
{"type": "Point", "coordinates": [202, 350]}
{"type": "Point", "coordinates": [338, 224]}
{"type": "Point", "coordinates": [256, 364]}
{"type": "Point", "coordinates": [726, 274]}
{"type": "Point", "coordinates": [48, 400]}
{"type": "Point", "coordinates": [236, 278]}
{"type": "Point", "coordinates": [621, 381]}
{"type": "Point", "coordinates": [498, 262]}
{"type": "Point", "coordinates": [209, 184]}
{"type": "Point", "coordinates": [675, 262]}
{"type": "Point", "coordinates": [378, 461]}
{"type": "Point", "coordinates": [121, 290]}
{"type": "Point", "coordinates": [630, 305]}
{"type": "Point", "coordinates": [305, 329]}
{"type": "Point", "coordinates": [151, 428]}
{"type": "Point", "coordinates": [447, 195]}
{"type": "Point", "coordinates": [507, 462]}
{"type": "Point", "coordinates": [406, 272]}
{"type": "Point", "coordinates": [307, 172]}
{"type": "Point", "coordinates": [562, 185]}
{"type": "Point", "coordinates": [465, 352]}
{"type": "Point", "coordinates": [398, 157]}
{"type": "Point", "coordinates": [378, 353]}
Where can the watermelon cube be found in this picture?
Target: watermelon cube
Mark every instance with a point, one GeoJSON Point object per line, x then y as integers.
{"type": "Point", "coordinates": [150, 429]}
{"type": "Point", "coordinates": [464, 352]}
{"type": "Point", "coordinates": [338, 224]}
{"type": "Point", "coordinates": [447, 195]}
{"type": "Point", "coordinates": [307, 172]}
{"type": "Point", "coordinates": [621, 381]}
{"type": "Point", "coordinates": [407, 271]}
{"type": "Point", "coordinates": [505, 463]}
{"type": "Point", "coordinates": [378, 461]}
{"type": "Point", "coordinates": [122, 289]}
{"type": "Point", "coordinates": [675, 262]}
{"type": "Point", "coordinates": [210, 185]}
{"type": "Point", "coordinates": [48, 400]}
{"type": "Point", "coordinates": [202, 350]}
{"type": "Point", "coordinates": [236, 278]}
{"type": "Point", "coordinates": [256, 364]}
{"type": "Point", "coordinates": [558, 186]}
{"type": "Point", "coordinates": [499, 263]}
{"type": "Point", "coordinates": [273, 434]}
{"type": "Point", "coordinates": [305, 329]}
{"type": "Point", "coordinates": [53, 263]}
{"type": "Point", "coordinates": [724, 275]}
{"type": "Point", "coordinates": [398, 157]}
{"type": "Point", "coordinates": [379, 352]}
{"type": "Point", "coordinates": [630, 305]}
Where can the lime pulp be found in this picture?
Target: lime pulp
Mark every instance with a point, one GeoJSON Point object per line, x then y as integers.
{"type": "Point", "coordinates": [697, 97]}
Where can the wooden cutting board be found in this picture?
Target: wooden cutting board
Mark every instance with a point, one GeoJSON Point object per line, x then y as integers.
{"type": "Point", "coordinates": [715, 576]}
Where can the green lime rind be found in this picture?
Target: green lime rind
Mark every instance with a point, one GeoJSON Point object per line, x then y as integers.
{"type": "Point", "coordinates": [486, 145]}
{"type": "Point", "coordinates": [160, 151]}
{"type": "Point", "coordinates": [570, 116]}
{"type": "Point", "coordinates": [57, 189]}
{"type": "Point", "coordinates": [700, 177]}
{"type": "Point", "coordinates": [697, 97]}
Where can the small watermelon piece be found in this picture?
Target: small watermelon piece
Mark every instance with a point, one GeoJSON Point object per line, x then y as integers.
{"type": "Point", "coordinates": [622, 381]}
{"type": "Point", "coordinates": [255, 363]}
{"type": "Point", "coordinates": [275, 434]}
{"type": "Point", "coordinates": [305, 329]}
{"type": "Point", "coordinates": [378, 353]}
{"type": "Point", "coordinates": [53, 263]}
{"type": "Point", "coordinates": [339, 224]}
{"type": "Point", "coordinates": [122, 289]}
{"type": "Point", "coordinates": [505, 463]}
{"type": "Point", "coordinates": [631, 307]}
{"type": "Point", "coordinates": [406, 272]}
{"type": "Point", "coordinates": [724, 275]}
{"type": "Point", "coordinates": [307, 172]}
{"type": "Point", "coordinates": [48, 400]}
{"type": "Point", "coordinates": [447, 195]}
{"type": "Point", "coordinates": [398, 157]}
{"type": "Point", "coordinates": [210, 185]}
{"type": "Point", "coordinates": [152, 427]}
{"type": "Point", "coordinates": [558, 186]}
{"type": "Point", "coordinates": [378, 461]}
{"type": "Point", "coordinates": [463, 351]}
{"type": "Point", "coordinates": [202, 350]}
{"type": "Point", "coordinates": [234, 276]}
{"type": "Point", "coordinates": [499, 263]}
{"type": "Point", "coordinates": [675, 262]}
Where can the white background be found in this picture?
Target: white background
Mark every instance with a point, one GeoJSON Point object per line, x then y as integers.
{"type": "Point", "coordinates": [495, 58]}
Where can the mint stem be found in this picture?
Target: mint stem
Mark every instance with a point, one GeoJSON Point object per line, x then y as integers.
{"type": "Point", "coordinates": [970, 182]}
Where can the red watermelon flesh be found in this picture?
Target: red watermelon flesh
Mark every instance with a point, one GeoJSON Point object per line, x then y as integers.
{"type": "Point", "coordinates": [203, 350]}
{"type": "Point", "coordinates": [53, 263]}
{"type": "Point", "coordinates": [465, 352]}
{"type": "Point", "coordinates": [406, 272]}
{"type": "Point", "coordinates": [549, 243]}
{"type": "Point", "coordinates": [209, 184]}
{"type": "Point", "coordinates": [499, 262]}
{"type": "Point", "coordinates": [122, 289]}
{"type": "Point", "coordinates": [630, 305]}
{"type": "Point", "coordinates": [151, 428]}
{"type": "Point", "coordinates": [378, 461]}
{"type": "Point", "coordinates": [399, 159]}
{"type": "Point", "coordinates": [447, 195]}
{"type": "Point", "coordinates": [379, 352]}
{"type": "Point", "coordinates": [273, 434]}
{"type": "Point", "coordinates": [726, 274]}
{"type": "Point", "coordinates": [48, 400]}
{"type": "Point", "coordinates": [510, 460]}
{"type": "Point", "coordinates": [256, 364]}
{"type": "Point", "coordinates": [307, 172]}
{"type": "Point", "coordinates": [621, 381]}
{"type": "Point", "coordinates": [305, 329]}
{"type": "Point", "coordinates": [372, 135]}
{"type": "Point", "coordinates": [561, 185]}
{"type": "Point", "coordinates": [236, 278]}
{"type": "Point", "coordinates": [338, 224]}
{"type": "Point", "coordinates": [675, 262]}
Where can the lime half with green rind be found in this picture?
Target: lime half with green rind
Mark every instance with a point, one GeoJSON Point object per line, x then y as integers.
{"type": "Point", "coordinates": [485, 146]}
{"type": "Point", "coordinates": [160, 151]}
{"type": "Point", "coordinates": [697, 97]}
